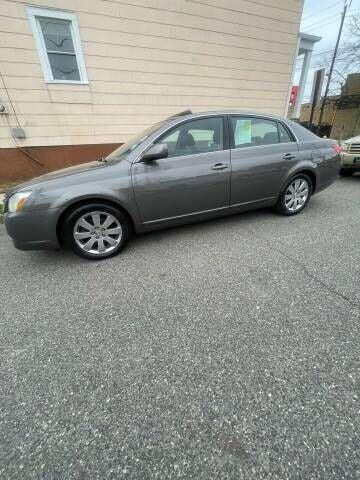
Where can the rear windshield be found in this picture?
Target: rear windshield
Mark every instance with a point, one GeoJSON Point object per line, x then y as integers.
{"type": "Point", "coordinates": [301, 132]}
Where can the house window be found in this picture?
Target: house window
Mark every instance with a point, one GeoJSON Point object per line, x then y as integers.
{"type": "Point", "coordinates": [58, 43]}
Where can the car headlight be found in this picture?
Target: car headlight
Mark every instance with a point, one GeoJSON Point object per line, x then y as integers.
{"type": "Point", "coordinates": [345, 146]}
{"type": "Point", "coordinates": [17, 201]}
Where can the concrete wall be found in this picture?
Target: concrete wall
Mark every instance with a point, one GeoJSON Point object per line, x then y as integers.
{"type": "Point", "coordinates": [145, 60]}
{"type": "Point", "coordinates": [346, 124]}
{"type": "Point", "coordinates": [328, 115]}
{"type": "Point", "coordinates": [342, 112]}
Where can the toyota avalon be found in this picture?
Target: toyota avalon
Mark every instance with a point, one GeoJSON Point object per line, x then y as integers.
{"type": "Point", "coordinates": [186, 168]}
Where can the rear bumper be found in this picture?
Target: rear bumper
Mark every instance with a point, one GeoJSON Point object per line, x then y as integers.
{"type": "Point", "coordinates": [327, 173]}
{"type": "Point", "coordinates": [33, 230]}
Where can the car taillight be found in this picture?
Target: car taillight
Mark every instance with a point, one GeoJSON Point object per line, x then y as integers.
{"type": "Point", "coordinates": [337, 148]}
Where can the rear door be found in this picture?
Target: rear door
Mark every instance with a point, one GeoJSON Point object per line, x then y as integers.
{"type": "Point", "coordinates": [195, 177]}
{"type": "Point", "coordinates": [263, 150]}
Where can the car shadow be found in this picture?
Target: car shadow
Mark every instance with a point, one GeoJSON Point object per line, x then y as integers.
{"type": "Point", "coordinates": [154, 237]}
{"type": "Point", "coordinates": [220, 224]}
{"type": "Point", "coordinates": [355, 177]}
{"type": "Point", "coordinates": [200, 227]}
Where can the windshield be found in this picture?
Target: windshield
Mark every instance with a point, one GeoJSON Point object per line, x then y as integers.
{"type": "Point", "coordinates": [129, 146]}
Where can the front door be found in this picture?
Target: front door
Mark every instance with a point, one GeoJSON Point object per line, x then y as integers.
{"type": "Point", "coordinates": [263, 151]}
{"type": "Point", "coordinates": [193, 179]}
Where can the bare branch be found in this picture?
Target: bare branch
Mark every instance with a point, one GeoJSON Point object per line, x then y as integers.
{"type": "Point", "coordinates": [348, 57]}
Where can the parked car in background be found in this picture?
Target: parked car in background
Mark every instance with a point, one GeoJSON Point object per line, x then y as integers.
{"type": "Point", "coordinates": [183, 169]}
{"type": "Point", "coordinates": [350, 156]}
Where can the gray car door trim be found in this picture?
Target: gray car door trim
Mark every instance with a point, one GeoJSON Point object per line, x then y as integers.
{"type": "Point", "coordinates": [255, 147]}
{"type": "Point", "coordinates": [215, 171]}
{"type": "Point", "coordinates": [264, 199]}
{"type": "Point", "coordinates": [193, 214]}
{"type": "Point", "coordinates": [229, 208]}
{"type": "Point", "coordinates": [180, 122]}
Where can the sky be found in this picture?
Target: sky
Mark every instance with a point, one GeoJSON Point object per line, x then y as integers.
{"type": "Point", "coordinates": [322, 18]}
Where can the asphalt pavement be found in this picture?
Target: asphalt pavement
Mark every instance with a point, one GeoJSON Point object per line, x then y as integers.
{"type": "Point", "coordinates": [223, 350]}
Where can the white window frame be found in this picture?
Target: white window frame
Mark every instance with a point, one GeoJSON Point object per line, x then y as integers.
{"type": "Point", "coordinates": [34, 13]}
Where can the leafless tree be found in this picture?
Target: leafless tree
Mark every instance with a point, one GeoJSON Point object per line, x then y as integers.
{"type": "Point", "coordinates": [348, 57]}
{"type": "Point", "coordinates": [350, 51]}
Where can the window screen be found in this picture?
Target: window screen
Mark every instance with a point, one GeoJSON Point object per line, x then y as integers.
{"type": "Point", "coordinates": [249, 131]}
{"type": "Point", "coordinates": [60, 48]}
{"type": "Point", "coordinates": [58, 44]}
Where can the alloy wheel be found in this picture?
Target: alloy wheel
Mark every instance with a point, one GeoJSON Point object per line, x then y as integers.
{"type": "Point", "coordinates": [97, 232]}
{"type": "Point", "coordinates": [296, 194]}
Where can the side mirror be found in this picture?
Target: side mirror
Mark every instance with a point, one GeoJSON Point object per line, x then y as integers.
{"type": "Point", "coordinates": [155, 152]}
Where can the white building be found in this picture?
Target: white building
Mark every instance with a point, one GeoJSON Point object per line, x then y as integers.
{"type": "Point", "coordinates": [80, 77]}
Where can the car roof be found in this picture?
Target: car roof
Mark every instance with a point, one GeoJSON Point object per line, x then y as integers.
{"type": "Point", "coordinates": [300, 132]}
{"type": "Point", "coordinates": [188, 114]}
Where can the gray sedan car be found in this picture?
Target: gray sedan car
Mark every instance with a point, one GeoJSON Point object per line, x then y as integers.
{"type": "Point", "coordinates": [186, 168]}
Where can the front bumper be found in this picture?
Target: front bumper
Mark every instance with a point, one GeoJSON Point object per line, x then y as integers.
{"type": "Point", "coordinates": [350, 160]}
{"type": "Point", "coordinates": [35, 230]}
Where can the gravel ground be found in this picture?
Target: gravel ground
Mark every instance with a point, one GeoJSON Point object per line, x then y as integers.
{"type": "Point", "coordinates": [227, 349]}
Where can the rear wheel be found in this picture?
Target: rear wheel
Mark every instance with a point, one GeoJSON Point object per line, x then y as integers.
{"type": "Point", "coordinates": [346, 172]}
{"type": "Point", "coordinates": [295, 196]}
{"type": "Point", "coordinates": [96, 231]}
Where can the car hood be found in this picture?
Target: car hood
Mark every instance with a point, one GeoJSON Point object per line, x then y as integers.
{"type": "Point", "coordinates": [64, 172]}
{"type": "Point", "coordinates": [353, 140]}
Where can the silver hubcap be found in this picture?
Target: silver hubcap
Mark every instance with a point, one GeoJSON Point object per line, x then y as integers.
{"type": "Point", "coordinates": [296, 194]}
{"type": "Point", "coordinates": [97, 232]}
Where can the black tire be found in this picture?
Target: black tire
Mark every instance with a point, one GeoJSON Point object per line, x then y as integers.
{"type": "Point", "coordinates": [346, 172]}
{"type": "Point", "coordinates": [72, 218]}
{"type": "Point", "coordinates": [281, 207]}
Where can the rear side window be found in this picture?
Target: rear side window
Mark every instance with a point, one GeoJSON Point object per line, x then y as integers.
{"type": "Point", "coordinates": [252, 132]}
{"type": "Point", "coordinates": [197, 136]}
{"type": "Point", "coordinates": [284, 134]}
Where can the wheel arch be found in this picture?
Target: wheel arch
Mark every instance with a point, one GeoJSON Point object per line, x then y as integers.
{"type": "Point", "coordinates": [312, 177]}
{"type": "Point", "coordinates": [307, 171]}
{"type": "Point", "coordinates": [85, 201]}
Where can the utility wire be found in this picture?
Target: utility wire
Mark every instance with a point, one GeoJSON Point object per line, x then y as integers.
{"type": "Point", "coordinates": [322, 10]}
{"type": "Point", "coordinates": [10, 101]}
{"type": "Point", "coordinates": [347, 4]}
{"type": "Point", "coordinates": [323, 20]}
{"type": "Point", "coordinates": [317, 27]}
{"type": "Point", "coordinates": [19, 147]}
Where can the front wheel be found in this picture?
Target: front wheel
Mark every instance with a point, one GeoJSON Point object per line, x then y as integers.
{"type": "Point", "coordinates": [295, 196]}
{"type": "Point", "coordinates": [96, 231]}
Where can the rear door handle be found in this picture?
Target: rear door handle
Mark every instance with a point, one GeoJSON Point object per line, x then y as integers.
{"type": "Point", "coordinates": [289, 156]}
{"type": "Point", "coordinates": [219, 166]}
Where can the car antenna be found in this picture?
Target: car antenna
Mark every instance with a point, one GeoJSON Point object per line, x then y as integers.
{"type": "Point", "coordinates": [180, 114]}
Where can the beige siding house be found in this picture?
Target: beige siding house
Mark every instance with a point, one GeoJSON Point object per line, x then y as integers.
{"type": "Point", "coordinates": [78, 77]}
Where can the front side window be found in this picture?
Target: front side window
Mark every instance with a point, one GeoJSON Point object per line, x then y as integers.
{"type": "Point", "coordinates": [197, 136]}
{"type": "Point", "coordinates": [58, 44]}
{"type": "Point", "coordinates": [252, 131]}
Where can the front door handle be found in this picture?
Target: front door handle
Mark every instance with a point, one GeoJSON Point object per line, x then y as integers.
{"type": "Point", "coordinates": [219, 166]}
{"type": "Point", "coordinates": [289, 156]}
